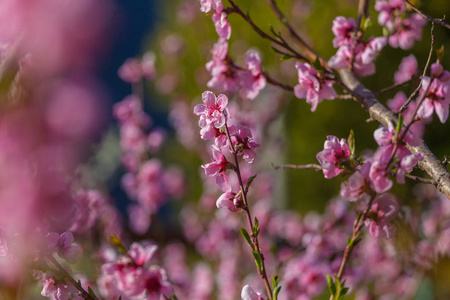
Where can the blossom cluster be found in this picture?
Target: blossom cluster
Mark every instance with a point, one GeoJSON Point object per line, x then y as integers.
{"type": "Point", "coordinates": [214, 123]}
{"type": "Point", "coordinates": [404, 29]}
{"type": "Point", "coordinates": [227, 77]}
{"type": "Point", "coordinates": [146, 180]}
{"type": "Point", "coordinates": [353, 52]}
{"type": "Point", "coordinates": [134, 276]}
{"type": "Point", "coordinates": [219, 16]}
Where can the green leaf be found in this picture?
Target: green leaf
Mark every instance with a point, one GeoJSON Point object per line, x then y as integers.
{"type": "Point", "coordinates": [115, 241]}
{"type": "Point", "coordinates": [440, 53]}
{"type": "Point", "coordinates": [385, 31]}
{"type": "Point", "coordinates": [275, 281]}
{"type": "Point", "coordinates": [276, 291]}
{"type": "Point", "coordinates": [286, 57]}
{"type": "Point", "coordinates": [249, 182]}
{"type": "Point", "coordinates": [246, 236]}
{"type": "Point", "coordinates": [399, 124]}
{"type": "Point", "coordinates": [256, 227]}
{"type": "Point", "coordinates": [318, 66]}
{"type": "Point", "coordinates": [367, 24]}
{"type": "Point", "coordinates": [278, 35]}
{"type": "Point", "coordinates": [351, 143]}
{"type": "Point", "coordinates": [120, 298]}
{"type": "Point", "coordinates": [258, 260]}
{"type": "Point", "coordinates": [278, 51]}
{"type": "Point", "coordinates": [331, 285]}
{"type": "Point", "coordinates": [91, 292]}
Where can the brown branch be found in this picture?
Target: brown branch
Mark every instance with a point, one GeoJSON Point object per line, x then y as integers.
{"type": "Point", "coordinates": [421, 180]}
{"type": "Point", "coordinates": [429, 18]}
{"type": "Point", "coordinates": [274, 82]}
{"type": "Point", "coordinates": [430, 164]}
{"type": "Point", "coordinates": [393, 87]}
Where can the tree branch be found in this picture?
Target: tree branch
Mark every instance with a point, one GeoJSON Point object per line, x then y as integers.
{"type": "Point", "coordinates": [430, 164]}
{"type": "Point", "coordinates": [428, 18]}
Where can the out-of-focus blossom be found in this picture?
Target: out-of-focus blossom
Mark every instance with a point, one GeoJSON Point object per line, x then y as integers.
{"type": "Point", "coordinates": [133, 275]}
{"type": "Point", "coordinates": [134, 70]}
{"type": "Point", "coordinates": [207, 5]}
{"type": "Point", "coordinates": [406, 165]}
{"type": "Point", "coordinates": [418, 127]}
{"type": "Point", "coordinates": [252, 80]}
{"type": "Point", "coordinates": [383, 210]}
{"type": "Point", "coordinates": [88, 207]}
{"type": "Point", "coordinates": [223, 28]}
{"type": "Point", "coordinates": [387, 138]}
{"type": "Point", "coordinates": [343, 29]}
{"type": "Point", "coordinates": [332, 157]}
{"type": "Point", "coordinates": [407, 31]}
{"type": "Point", "coordinates": [312, 87]}
{"type": "Point", "coordinates": [406, 69]}
{"type": "Point", "coordinates": [387, 9]}
{"type": "Point", "coordinates": [63, 245]}
{"type": "Point", "coordinates": [46, 30]}
{"type": "Point", "coordinates": [359, 183]}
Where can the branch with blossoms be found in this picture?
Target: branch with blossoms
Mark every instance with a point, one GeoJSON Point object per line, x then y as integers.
{"type": "Point", "coordinates": [238, 139]}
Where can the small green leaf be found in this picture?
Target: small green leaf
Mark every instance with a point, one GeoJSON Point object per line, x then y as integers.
{"type": "Point", "coordinates": [385, 31]}
{"type": "Point", "coordinates": [351, 143]}
{"type": "Point", "coordinates": [246, 236]}
{"type": "Point", "coordinates": [318, 66]}
{"type": "Point", "coordinates": [331, 285]}
{"type": "Point", "coordinates": [399, 124]}
{"type": "Point", "coordinates": [115, 241]}
{"type": "Point", "coordinates": [286, 57]}
{"type": "Point", "coordinates": [256, 227]}
{"type": "Point", "coordinates": [249, 182]}
{"type": "Point", "coordinates": [276, 291]}
{"type": "Point", "coordinates": [278, 35]}
{"type": "Point", "coordinates": [258, 261]}
{"type": "Point", "coordinates": [278, 51]}
{"type": "Point", "coordinates": [367, 24]}
{"type": "Point", "coordinates": [440, 53]}
{"type": "Point", "coordinates": [275, 281]}
{"type": "Point", "coordinates": [91, 292]}
{"type": "Point", "coordinates": [344, 291]}
{"type": "Point", "coordinates": [120, 298]}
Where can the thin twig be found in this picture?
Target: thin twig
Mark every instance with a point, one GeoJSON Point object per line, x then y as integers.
{"type": "Point", "coordinates": [300, 167]}
{"type": "Point", "coordinates": [393, 87]}
{"type": "Point", "coordinates": [416, 91]}
{"type": "Point", "coordinates": [429, 18]}
{"type": "Point", "coordinates": [420, 179]}
{"type": "Point", "coordinates": [264, 35]}
{"type": "Point", "coordinates": [274, 82]}
{"type": "Point", "coordinates": [309, 52]}
{"type": "Point", "coordinates": [352, 242]}
{"type": "Point", "coordinates": [255, 242]}
{"type": "Point", "coordinates": [75, 283]}
{"type": "Point", "coordinates": [362, 10]}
